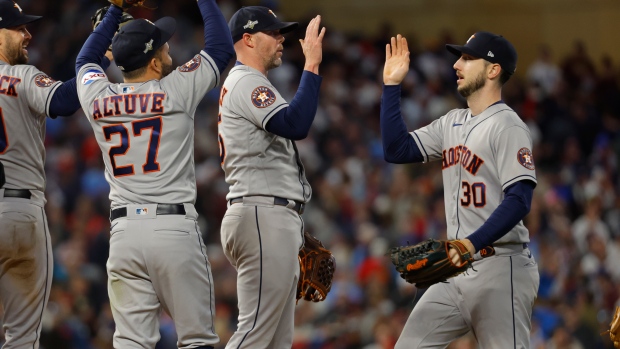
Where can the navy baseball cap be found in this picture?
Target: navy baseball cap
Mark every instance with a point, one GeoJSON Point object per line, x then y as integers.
{"type": "Point", "coordinates": [253, 19]}
{"type": "Point", "coordinates": [11, 15]}
{"type": "Point", "coordinates": [136, 42]}
{"type": "Point", "coordinates": [491, 47]}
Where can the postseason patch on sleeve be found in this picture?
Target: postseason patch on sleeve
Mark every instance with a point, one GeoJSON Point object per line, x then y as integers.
{"type": "Point", "coordinates": [190, 66]}
{"type": "Point", "coordinates": [92, 75]}
{"type": "Point", "coordinates": [526, 159]}
{"type": "Point", "coordinates": [43, 80]}
{"type": "Point", "coordinates": [263, 96]}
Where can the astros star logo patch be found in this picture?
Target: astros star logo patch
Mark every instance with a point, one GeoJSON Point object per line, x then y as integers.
{"type": "Point", "coordinates": [525, 158]}
{"type": "Point", "coordinates": [263, 97]}
{"type": "Point", "coordinates": [190, 66]}
{"type": "Point", "coordinates": [43, 80]}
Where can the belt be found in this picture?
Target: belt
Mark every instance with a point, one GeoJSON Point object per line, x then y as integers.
{"type": "Point", "coordinates": [162, 209]}
{"type": "Point", "coordinates": [489, 251]}
{"type": "Point", "coordinates": [17, 193]}
{"type": "Point", "coordinates": [299, 206]}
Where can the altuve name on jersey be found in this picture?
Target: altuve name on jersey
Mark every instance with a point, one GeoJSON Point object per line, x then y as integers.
{"type": "Point", "coordinates": [461, 154]}
{"type": "Point", "coordinates": [128, 104]}
{"type": "Point", "coordinates": [8, 85]}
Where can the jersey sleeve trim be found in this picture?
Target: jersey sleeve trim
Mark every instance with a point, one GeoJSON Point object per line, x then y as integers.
{"type": "Point", "coordinates": [272, 113]}
{"type": "Point", "coordinates": [216, 71]}
{"type": "Point", "coordinates": [517, 179]}
{"type": "Point", "coordinates": [48, 101]}
{"type": "Point", "coordinates": [417, 140]}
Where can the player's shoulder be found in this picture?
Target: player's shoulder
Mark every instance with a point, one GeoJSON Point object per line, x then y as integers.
{"type": "Point", "coordinates": [506, 116]}
{"type": "Point", "coordinates": [455, 115]}
{"type": "Point", "coordinates": [245, 74]}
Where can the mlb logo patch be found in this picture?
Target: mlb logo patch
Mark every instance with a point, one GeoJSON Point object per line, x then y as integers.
{"type": "Point", "coordinates": [142, 211]}
{"type": "Point", "coordinates": [128, 89]}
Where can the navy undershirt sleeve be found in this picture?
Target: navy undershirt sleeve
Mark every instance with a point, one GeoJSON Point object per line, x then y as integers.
{"type": "Point", "coordinates": [398, 145]}
{"type": "Point", "coordinates": [99, 40]}
{"type": "Point", "coordinates": [65, 100]}
{"type": "Point", "coordinates": [514, 207]}
{"type": "Point", "coordinates": [294, 121]}
{"type": "Point", "coordinates": [218, 40]}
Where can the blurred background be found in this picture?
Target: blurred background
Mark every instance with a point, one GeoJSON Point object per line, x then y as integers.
{"type": "Point", "coordinates": [566, 89]}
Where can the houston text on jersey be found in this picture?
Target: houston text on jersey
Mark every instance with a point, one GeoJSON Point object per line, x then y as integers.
{"type": "Point", "coordinates": [470, 161]}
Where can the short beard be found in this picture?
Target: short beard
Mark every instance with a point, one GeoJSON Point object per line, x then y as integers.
{"type": "Point", "coordinates": [15, 53]}
{"type": "Point", "coordinates": [273, 63]}
{"type": "Point", "coordinates": [473, 86]}
{"type": "Point", "coordinates": [166, 69]}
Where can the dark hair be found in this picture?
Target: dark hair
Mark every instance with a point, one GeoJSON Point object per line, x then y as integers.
{"type": "Point", "coordinates": [504, 76]}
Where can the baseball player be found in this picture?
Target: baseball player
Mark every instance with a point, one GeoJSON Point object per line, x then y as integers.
{"type": "Point", "coordinates": [488, 176]}
{"type": "Point", "coordinates": [262, 230]}
{"type": "Point", "coordinates": [27, 96]}
{"type": "Point", "coordinates": [145, 129]}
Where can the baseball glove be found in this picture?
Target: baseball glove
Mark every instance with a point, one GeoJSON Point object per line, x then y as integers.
{"type": "Point", "coordinates": [614, 330]}
{"type": "Point", "coordinates": [125, 4]}
{"type": "Point", "coordinates": [98, 17]}
{"type": "Point", "coordinates": [428, 262]}
{"type": "Point", "coordinates": [317, 266]}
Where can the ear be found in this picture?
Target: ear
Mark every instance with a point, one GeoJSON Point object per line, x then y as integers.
{"type": "Point", "coordinates": [155, 65]}
{"type": "Point", "coordinates": [248, 40]}
{"type": "Point", "coordinates": [493, 70]}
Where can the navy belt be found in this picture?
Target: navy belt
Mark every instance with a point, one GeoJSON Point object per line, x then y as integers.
{"type": "Point", "coordinates": [299, 206]}
{"type": "Point", "coordinates": [162, 209]}
{"type": "Point", "coordinates": [17, 193]}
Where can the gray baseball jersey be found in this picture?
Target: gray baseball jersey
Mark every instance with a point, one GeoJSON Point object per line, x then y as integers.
{"type": "Point", "coordinates": [146, 135]}
{"type": "Point", "coordinates": [146, 130]}
{"type": "Point", "coordinates": [262, 230]}
{"type": "Point", "coordinates": [25, 247]}
{"type": "Point", "coordinates": [26, 96]}
{"type": "Point", "coordinates": [481, 156]}
{"type": "Point", "coordinates": [255, 161]}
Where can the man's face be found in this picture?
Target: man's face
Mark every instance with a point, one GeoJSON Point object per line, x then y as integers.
{"type": "Point", "coordinates": [13, 43]}
{"type": "Point", "coordinates": [472, 74]}
{"type": "Point", "coordinates": [269, 44]}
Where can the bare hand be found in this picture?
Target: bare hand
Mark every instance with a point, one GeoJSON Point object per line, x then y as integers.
{"type": "Point", "coordinates": [109, 55]}
{"type": "Point", "coordinates": [312, 45]}
{"type": "Point", "coordinates": [396, 61]}
{"type": "Point", "coordinates": [455, 257]}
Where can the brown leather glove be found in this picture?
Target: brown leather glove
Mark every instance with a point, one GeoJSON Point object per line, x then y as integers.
{"type": "Point", "coordinates": [317, 266]}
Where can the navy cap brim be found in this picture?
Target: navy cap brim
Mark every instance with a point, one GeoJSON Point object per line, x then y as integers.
{"type": "Point", "coordinates": [458, 50]}
{"type": "Point", "coordinates": [25, 19]}
{"type": "Point", "coordinates": [284, 27]}
{"type": "Point", "coordinates": [167, 26]}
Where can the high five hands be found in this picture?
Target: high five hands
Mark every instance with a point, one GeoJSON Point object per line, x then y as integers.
{"type": "Point", "coordinates": [312, 45]}
{"type": "Point", "coordinates": [396, 61]}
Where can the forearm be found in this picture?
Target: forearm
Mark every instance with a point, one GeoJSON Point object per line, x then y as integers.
{"type": "Point", "coordinates": [514, 207]}
{"type": "Point", "coordinates": [65, 100]}
{"type": "Point", "coordinates": [294, 121]}
{"type": "Point", "coordinates": [398, 145]}
{"type": "Point", "coordinates": [218, 42]}
{"type": "Point", "coordinates": [99, 40]}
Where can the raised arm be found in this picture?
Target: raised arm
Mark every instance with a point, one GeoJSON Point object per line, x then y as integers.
{"type": "Point", "coordinates": [218, 41]}
{"type": "Point", "coordinates": [100, 39]}
{"type": "Point", "coordinates": [398, 145]}
{"type": "Point", "coordinates": [294, 121]}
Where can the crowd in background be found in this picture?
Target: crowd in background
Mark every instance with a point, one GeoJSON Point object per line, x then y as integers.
{"type": "Point", "coordinates": [361, 205]}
